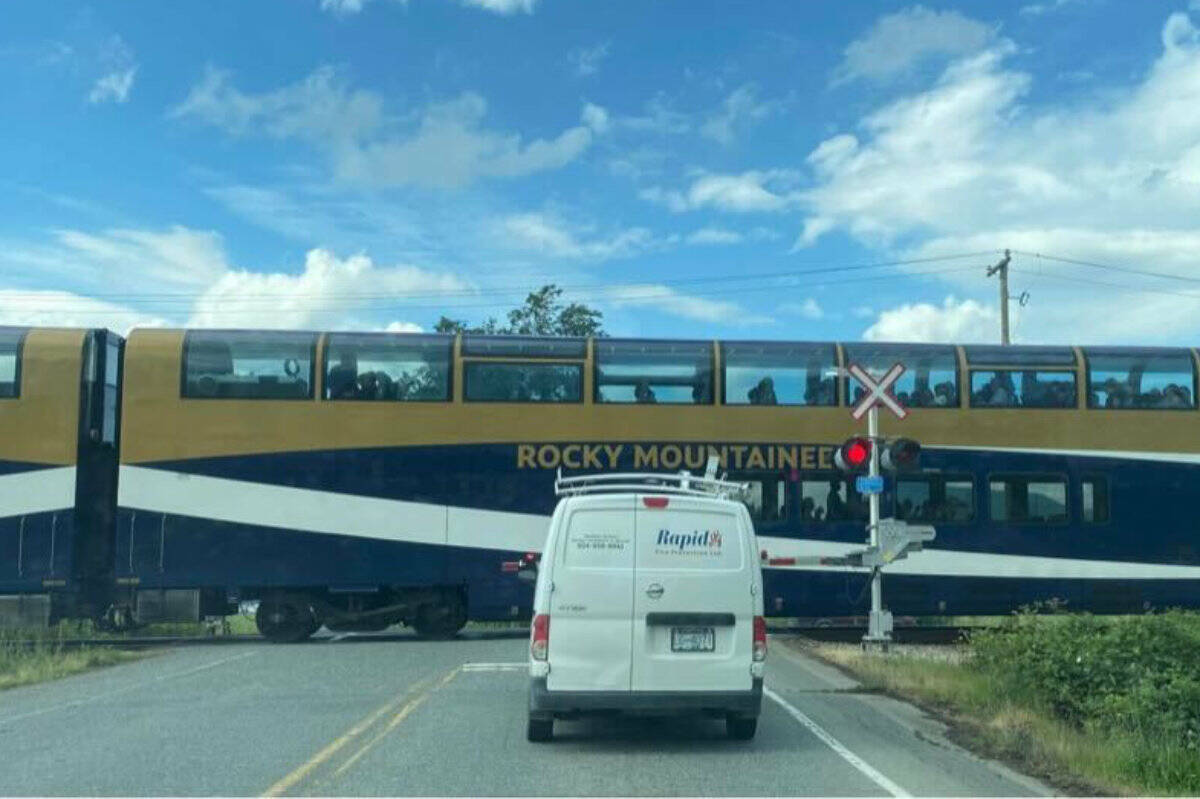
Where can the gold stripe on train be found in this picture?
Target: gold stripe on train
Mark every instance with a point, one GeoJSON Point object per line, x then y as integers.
{"type": "Point", "coordinates": [42, 424]}
{"type": "Point", "coordinates": [158, 425]}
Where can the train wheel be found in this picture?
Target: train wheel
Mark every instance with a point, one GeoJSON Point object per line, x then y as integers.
{"type": "Point", "coordinates": [286, 619]}
{"type": "Point", "coordinates": [442, 620]}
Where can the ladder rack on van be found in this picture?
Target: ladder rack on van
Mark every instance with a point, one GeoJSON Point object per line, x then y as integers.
{"type": "Point", "coordinates": [649, 482]}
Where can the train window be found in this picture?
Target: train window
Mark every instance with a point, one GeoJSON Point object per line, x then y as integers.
{"type": "Point", "coordinates": [1140, 378]}
{"type": "Point", "coordinates": [769, 499]}
{"type": "Point", "coordinates": [381, 366]}
{"type": "Point", "coordinates": [1095, 496]}
{"type": "Point", "coordinates": [10, 362]}
{"type": "Point", "coordinates": [498, 381]}
{"type": "Point", "coordinates": [779, 373]}
{"type": "Point", "coordinates": [242, 364]}
{"type": "Point", "coordinates": [1021, 355]}
{"type": "Point", "coordinates": [831, 499]}
{"type": "Point", "coordinates": [935, 498]}
{"type": "Point", "coordinates": [930, 379]}
{"type": "Point", "coordinates": [645, 372]}
{"type": "Point", "coordinates": [1026, 388]}
{"type": "Point", "coordinates": [112, 364]}
{"type": "Point", "coordinates": [1028, 499]}
{"type": "Point", "coordinates": [524, 347]}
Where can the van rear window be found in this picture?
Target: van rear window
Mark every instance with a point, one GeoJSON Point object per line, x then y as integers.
{"type": "Point", "coordinates": [600, 539]}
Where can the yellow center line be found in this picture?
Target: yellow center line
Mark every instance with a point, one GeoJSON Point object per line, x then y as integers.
{"type": "Point", "coordinates": [395, 722]}
{"type": "Point", "coordinates": [302, 771]}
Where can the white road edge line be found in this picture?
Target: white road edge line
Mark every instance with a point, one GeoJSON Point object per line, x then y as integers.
{"type": "Point", "coordinates": [833, 743]}
{"type": "Point", "coordinates": [119, 691]}
{"type": "Point", "coordinates": [495, 666]}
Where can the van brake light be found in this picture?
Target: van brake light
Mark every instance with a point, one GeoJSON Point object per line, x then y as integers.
{"type": "Point", "coordinates": [760, 639]}
{"type": "Point", "coordinates": [655, 502]}
{"type": "Point", "coordinates": [539, 637]}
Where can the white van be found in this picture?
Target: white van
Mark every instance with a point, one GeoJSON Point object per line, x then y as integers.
{"type": "Point", "coordinates": [649, 599]}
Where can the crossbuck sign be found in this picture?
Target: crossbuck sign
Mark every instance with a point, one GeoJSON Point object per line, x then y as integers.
{"type": "Point", "coordinates": [879, 392]}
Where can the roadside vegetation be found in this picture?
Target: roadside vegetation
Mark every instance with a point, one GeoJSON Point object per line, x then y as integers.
{"type": "Point", "coordinates": [1090, 703]}
{"type": "Point", "coordinates": [31, 656]}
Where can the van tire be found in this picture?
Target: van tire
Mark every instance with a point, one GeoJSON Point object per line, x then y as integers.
{"type": "Point", "coordinates": [539, 730]}
{"type": "Point", "coordinates": [740, 728]}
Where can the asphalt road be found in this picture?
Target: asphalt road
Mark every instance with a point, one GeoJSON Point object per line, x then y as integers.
{"type": "Point", "coordinates": [393, 715]}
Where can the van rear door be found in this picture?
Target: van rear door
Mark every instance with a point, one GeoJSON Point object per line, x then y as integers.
{"type": "Point", "coordinates": [591, 602]}
{"type": "Point", "coordinates": [693, 610]}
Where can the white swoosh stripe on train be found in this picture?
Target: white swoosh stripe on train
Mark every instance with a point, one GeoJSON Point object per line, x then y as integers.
{"type": "Point", "coordinates": [37, 491]}
{"type": "Point", "coordinates": [261, 504]}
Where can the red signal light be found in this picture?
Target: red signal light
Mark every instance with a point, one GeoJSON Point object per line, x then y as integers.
{"type": "Point", "coordinates": [853, 455]}
{"type": "Point", "coordinates": [655, 502]}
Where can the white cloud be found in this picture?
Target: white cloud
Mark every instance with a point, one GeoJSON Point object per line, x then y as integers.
{"type": "Point", "coordinates": [504, 7]}
{"type": "Point", "coordinates": [1038, 9]}
{"type": "Point", "coordinates": [28, 308]}
{"type": "Point", "coordinates": [115, 61]}
{"type": "Point", "coordinates": [120, 278]}
{"type": "Point", "coordinates": [402, 327]}
{"type": "Point", "coordinates": [710, 235]}
{"type": "Point", "coordinates": [962, 162]}
{"type": "Point", "coordinates": [959, 322]}
{"type": "Point", "coordinates": [740, 110]}
{"type": "Point", "coordinates": [668, 300]}
{"type": "Point", "coordinates": [550, 237]}
{"type": "Point", "coordinates": [587, 60]}
{"type": "Point", "coordinates": [330, 291]}
{"type": "Point", "coordinates": [658, 117]}
{"type": "Point", "coordinates": [900, 41]}
{"type": "Point", "coordinates": [595, 118]}
{"type": "Point", "coordinates": [863, 312]}
{"type": "Point", "coordinates": [748, 192]}
{"type": "Point", "coordinates": [321, 108]}
{"type": "Point", "coordinates": [114, 86]}
{"type": "Point", "coordinates": [809, 308]}
{"type": "Point", "coordinates": [343, 6]}
{"type": "Point", "coordinates": [444, 145]}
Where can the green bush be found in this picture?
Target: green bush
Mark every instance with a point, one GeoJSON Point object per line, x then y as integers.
{"type": "Point", "coordinates": [1136, 675]}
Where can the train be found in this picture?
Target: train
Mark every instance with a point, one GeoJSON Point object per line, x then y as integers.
{"type": "Point", "coordinates": [358, 480]}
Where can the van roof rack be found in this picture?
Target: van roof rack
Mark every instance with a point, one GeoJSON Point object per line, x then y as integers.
{"type": "Point", "coordinates": [650, 482]}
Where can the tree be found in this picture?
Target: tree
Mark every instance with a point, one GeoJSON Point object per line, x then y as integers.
{"type": "Point", "coordinates": [542, 314]}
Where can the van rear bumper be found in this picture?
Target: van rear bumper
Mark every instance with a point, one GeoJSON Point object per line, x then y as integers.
{"type": "Point", "coordinates": [543, 702]}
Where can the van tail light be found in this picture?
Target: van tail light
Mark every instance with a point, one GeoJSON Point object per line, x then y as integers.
{"type": "Point", "coordinates": [656, 502]}
{"type": "Point", "coordinates": [539, 637]}
{"type": "Point", "coordinates": [760, 638]}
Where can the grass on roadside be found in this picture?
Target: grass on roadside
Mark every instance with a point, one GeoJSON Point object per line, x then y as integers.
{"type": "Point", "coordinates": [25, 660]}
{"type": "Point", "coordinates": [1085, 704]}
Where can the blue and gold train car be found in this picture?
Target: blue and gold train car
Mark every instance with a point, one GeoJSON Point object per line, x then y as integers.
{"type": "Point", "coordinates": [59, 423]}
{"type": "Point", "coordinates": [359, 479]}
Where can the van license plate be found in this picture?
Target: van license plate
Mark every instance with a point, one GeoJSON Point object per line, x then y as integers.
{"type": "Point", "coordinates": [692, 639]}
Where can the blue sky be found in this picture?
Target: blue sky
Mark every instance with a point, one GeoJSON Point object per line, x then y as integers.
{"type": "Point", "coordinates": [709, 169]}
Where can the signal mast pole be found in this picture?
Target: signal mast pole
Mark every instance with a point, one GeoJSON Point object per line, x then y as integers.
{"type": "Point", "coordinates": [1002, 268]}
{"type": "Point", "coordinates": [879, 623]}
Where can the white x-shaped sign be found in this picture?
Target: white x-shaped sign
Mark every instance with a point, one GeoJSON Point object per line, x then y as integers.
{"type": "Point", "coordinates": [879, 392]}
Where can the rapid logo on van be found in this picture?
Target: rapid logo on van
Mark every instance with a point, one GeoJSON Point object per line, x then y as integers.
{"type": "Point", "coordinates": [697, 541]}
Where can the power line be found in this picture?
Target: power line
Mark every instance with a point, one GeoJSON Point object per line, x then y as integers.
{"type": "Point", "coordinates": [1109, 267]}
{"type": "Point", "coordinates": [189, 297]}
{"type": "Point", "coordinates": [632, 294]}
{"type": "Point", "coordinates": [1104, 284]}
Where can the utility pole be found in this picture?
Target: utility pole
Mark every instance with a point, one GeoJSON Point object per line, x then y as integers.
{"type": "Point", "coordinates": [1002, 268]}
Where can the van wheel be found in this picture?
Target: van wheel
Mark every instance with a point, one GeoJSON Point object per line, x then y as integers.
{"type": "Point", "coordinates": [539, 730]}
{"type": "Point", "coordinates": [740, 728]}
{"type": "Point", "coordinates": [285, 619]}
{"type": "Point", "coordinates": [440, 621]}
